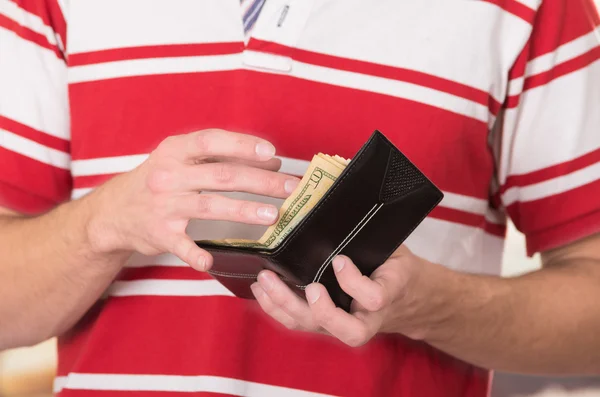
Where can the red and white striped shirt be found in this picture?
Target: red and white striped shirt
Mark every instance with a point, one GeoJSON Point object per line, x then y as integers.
{"type": "Point", "coordinates": [497, 101]}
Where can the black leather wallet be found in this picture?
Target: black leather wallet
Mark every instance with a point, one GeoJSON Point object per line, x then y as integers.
{"type": "Point", "coordinates": [374, 205]}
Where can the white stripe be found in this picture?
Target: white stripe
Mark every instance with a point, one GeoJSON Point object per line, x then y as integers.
{"type": "Point", "coordinates": [184, 21]}
{"type": "Point", "coordinates": [533, 4]}
{"type": "Point", "coordinates": [564, 53]}
{"type": "Point", "coordinates": [176, 383]}
{"type": "Point", "coordinates": [553, 186]}
{"type": "Point", "coordinates": [107, 165]}
{"type": "Point", "coordinates": [459, 247]}
{"type": "Point", "coordinates": [142, 67]}
{"type": "Point", "coordinates": [293, 166]}
{"type": "Point", "coordinates": [168, 288]}
{"type": "Point", "coordinates": [395, 88]}
{"type": "Point", "coordinates": [555, 123]}
{"type": "Point", "coordinates": [464, 203]}
{"type": "Point", "coordinates": [34, 150]}
{"type": "Point", "coordinates": [33, 88]}
{"type": "Point", "coordinates": [80, 192]}
{"type": "Point", "coordinates": [28, 20]}
{"type": "Point", "coordinates": [59, 383]}
{"type": "Point", "coordinates": [515, 86]}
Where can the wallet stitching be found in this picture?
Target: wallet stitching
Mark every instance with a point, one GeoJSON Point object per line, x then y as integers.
{"type": "Point", "coordinates": [247, 276]}
{"type": "Point", "coordinates": [360, 225]}
{"type": "Point", "coordinates": [343, 241]}
{"type": "Point", "coordinates": [232, 275]}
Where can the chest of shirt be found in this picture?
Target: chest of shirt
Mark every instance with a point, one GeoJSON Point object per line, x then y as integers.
{"type": "Point", "coordinates": [316, 75]}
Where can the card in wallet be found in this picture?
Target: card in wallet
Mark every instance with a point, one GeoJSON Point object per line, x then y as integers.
{"type": "Point", "coordinates": [371, 208]}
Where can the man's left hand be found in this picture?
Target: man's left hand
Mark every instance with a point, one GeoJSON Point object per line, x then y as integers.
{"type": "Point", "coordinates": [398, 297]}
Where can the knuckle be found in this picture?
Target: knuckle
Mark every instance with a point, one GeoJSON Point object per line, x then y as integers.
{"type": "Point", "coordinates": [358, 338]}
{"type": "Point", "coordinates": [272, 183]}
{"type": "Point", "coordinates": [323, 320]}
{"type": "Point", "coordinates": [223, 174]}
{"type": "Point", "coordinates": [203, 139]}
{"type": "Point", "coordinates": [377, 301]}
{"type": "Point", "coordinates": [240, 210]}
{"type": "Point", "coordinates": [204, 205]}
{"type": "Point", "coordinates": [166, 143]}
{"type": "Point", "coordinates": [291, 324]}
{"type": "Point", "coordinates": [160, 180]}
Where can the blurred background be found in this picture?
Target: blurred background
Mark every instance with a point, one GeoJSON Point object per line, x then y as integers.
{"type": "Point", "coordinates": [28, 372]}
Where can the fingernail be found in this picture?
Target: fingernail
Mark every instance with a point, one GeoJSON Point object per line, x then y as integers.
{"type": "Point", "coordinates": [290, 185]}
{"type": "Point", "coordinates": [265, 149]}
{"type": "Point", "coordinates": [201, 263]}
{"type": "Point", "coordinates": [338, 263]}
{"type": "Point", "coordinates": [265, 281]}
{"type": "Point", "coordinates": [312, 293]}
{"type": "Point", "coordinates": [267, 213]}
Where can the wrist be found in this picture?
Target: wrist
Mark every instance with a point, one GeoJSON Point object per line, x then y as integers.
{"type": "Point", "coordinates": [100, 228]}
{"type": "Point", "coordinates": [430, 302]}
{"type": "Point", "coordinates": [457, 301]}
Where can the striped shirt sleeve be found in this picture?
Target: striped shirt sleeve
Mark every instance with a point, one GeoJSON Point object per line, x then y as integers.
{"type": "Point", "coordinates": [34, 117]}
{"type": "Point", "coordinates": [549, 168]}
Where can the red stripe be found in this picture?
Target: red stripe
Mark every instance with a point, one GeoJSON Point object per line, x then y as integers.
{"type": "Point", "coordinates": [537, 216]}
{"type": "Point", "coordinates": [555, 171]}
{"type": "Point", "coordinates": [384, 71]}
{"type": "Point", "coordinates": [512, 101]}
{"type": "Point", "coordinates": [220, 336]}
{"type": "Point", "coordinates": [22, 201]}
{"type": "Point", "coordinates": [559, 22]}
{"type": "Point", "coordinates": [50, 13]}
{"type": "Point", "coordinates": [35, 135]}
{"type": "Point", "coordinates": [562, 69]}
{"type": "Point", "coordinates": [158, 51]}
{"type": "Point", "coordinates": [468, 219]}
{"type": "Point", "coordinates": [35, 178]}
{"type": "Point", "coordinates": [91, 180]}
{"type": "Point", "coordinates": [515, 8]}
{"type": "Point", "coordinates": [162, 273]}
{"type": "Point", "coordinates": [561, 235]}
{"type": "Point", "coordinates": [341, 119]}
{"type": "Point", "coordinates": [29, 35]}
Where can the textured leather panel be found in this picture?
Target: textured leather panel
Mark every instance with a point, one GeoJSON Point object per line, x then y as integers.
{"type": "Point", "coordinates": [375, 204]}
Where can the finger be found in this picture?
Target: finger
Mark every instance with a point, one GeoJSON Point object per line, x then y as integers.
{"type": "Point", "coordinates": [233, 177]}
{"type": "Point", "coordinates": [273, 164]}
{"type": "Point", "coordinates": [368, 293]}
{"type": "Point", "coordinates": [185, 249]}
{"type": "Point", "coordinates": [271, 309]}
{"type": "Point", "coordinates": [216, 207]}
{"type": "Point", "coordinates": [284, 298]}
{"type": "Point", "coordinates": [348, 328]}
{"type": "Point", "coordinates": [218, 143]}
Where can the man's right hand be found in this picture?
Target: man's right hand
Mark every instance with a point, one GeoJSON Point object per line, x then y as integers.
{"type": "Point", "coordinates": [148, 209]}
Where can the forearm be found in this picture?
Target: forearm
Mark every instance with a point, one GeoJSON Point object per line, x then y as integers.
{"type": "Point", "coordinates": [50, 274]}
{"type": "Point", "coordinates": [545, 322]}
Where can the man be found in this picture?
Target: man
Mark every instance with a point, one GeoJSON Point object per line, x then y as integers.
{"type": "Point", "coordinates": [496, 101]}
